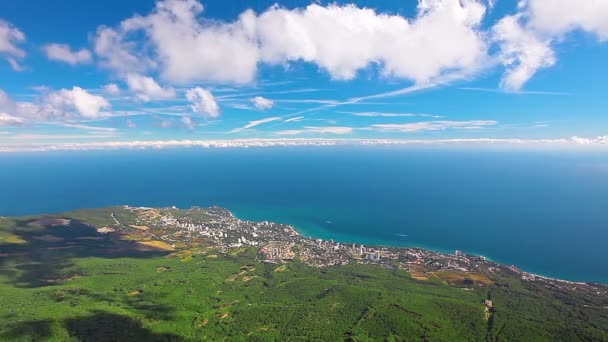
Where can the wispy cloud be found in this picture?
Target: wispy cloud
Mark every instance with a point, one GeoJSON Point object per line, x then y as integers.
{"type": "Point", "coordinates": [356, 100]}
{"type": "Point", "coordinates": [28, 137]}
{"type": "Point", "coordinates": [317, 130]}
{"type": "Point", "coordinates": [391, 115]}
{"type": "Point", "coordinates": [254, 123]}
{"type": "Point", "coordinates": [516, 92]}
{"type": "Point", "coordinates": [297, 118]}
{"type": "Point", "coordinates": [87, 127]}
{"type": "Point", "coordinates": [433, 125]}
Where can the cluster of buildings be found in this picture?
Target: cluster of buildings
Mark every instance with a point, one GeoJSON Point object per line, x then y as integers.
{"type": "Point", "coordinates": [217, 227]}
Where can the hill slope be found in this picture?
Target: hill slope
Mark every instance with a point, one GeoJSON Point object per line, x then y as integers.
{"type": "Point", "coordinates": [131, 274]}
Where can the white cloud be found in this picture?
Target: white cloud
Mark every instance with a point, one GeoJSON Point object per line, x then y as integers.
{"type": "Point", "coordinates": [63, 53]}
{"type": "Point", "coordinates": [557, 17]}
{"type": "Point", "coordinates": [111, 89]}
{"type": "Point", "coordinates": [262, 103]}
{"type": "Point", "coordinates": [523, 52]}
{"type": "Point", "coordinates": [526, 39]}
{"type": "Point", "coordinates": [188, 122]}
{"type": "Point", "coordinates": [603, 140]}
{"type": "Point", "coordinates": [203, 102]}
{"type": "Point", "coordinates": [32, 138]}
{"type": "Point", "coordinates": [574, 142]}
{"type": "Point", "coordinates": [10, 38]}
{"type": "Point", "coordinates": [9, 120]}
{"type": "Point", "coordinates": [254, 123]}
{"type": "Point", "coordinates": [88, 128]}
{"type": "Point", "coordinates": [433, 125]}
{"type": "Point", "coordinates": [184, 48]}
{"type": "Point", "coordinates": [118, 54]}
{"type": "Point", "coordinates": [65, 102]}
{"type": "Point", "coordinates": [297, 118]}
{"type": "Point", "coordinates": [15, 65]}
{"type": "Point", "coordinates": [317, 130]}
{"type": "Point", "coordinates": [147, 89]}
{"type": "Point", "coordinates": [380, 114]}
{"type": "Point", "coordinates": [444, 38]}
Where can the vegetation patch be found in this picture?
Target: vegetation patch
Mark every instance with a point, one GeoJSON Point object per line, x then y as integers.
{"type": "Point", "coordinates": [9, 238]}
{"type": "Point", "coordinates": [48, 238]}
{"type": "Point", "coordinates": [108, 289]}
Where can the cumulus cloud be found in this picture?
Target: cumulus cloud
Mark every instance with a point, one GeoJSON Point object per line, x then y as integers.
{"type": "Point", "coordinates": [147, 89]}
{"type": "Point", "coordinates": [203, 102]}
{"type": "Point", "coordinates": [10, 38]}
{"type": "Point", "coordinates": [72, 103]}
{"type": "Point", "coordinates": [523, 52]}
{"type": "Point", "coordinates": [184, 48]}
{"type": "Point", "coordinates": [63, 53]}
{"type": "Point", "coordinates": [77, 100]}
{"type": "Point", "coordinates": [526, 39]}
{"type": "Point", "coordinates": [444, 38]}
{"type": "Point", "coordinates": [188, 122]}
{"type": "Point", "coordinates": [433, 125]}
{"type": "Point", "coordinates": [111, 89]}
{"type": "Point", "coordinates": [118, 54]}
{"type": "Point", "coordinates": [262, 103]}
{"type": "Point", "coordinates": [317, 130]}
{"type": "Point", "coordinates": [557, 17]}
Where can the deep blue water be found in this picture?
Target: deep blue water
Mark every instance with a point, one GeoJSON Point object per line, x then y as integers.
{"type": "Point", "coordinates": [545, 212]}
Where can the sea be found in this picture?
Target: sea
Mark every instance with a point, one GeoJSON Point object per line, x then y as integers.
{"type": "Point", "coordinates": [544, 211]}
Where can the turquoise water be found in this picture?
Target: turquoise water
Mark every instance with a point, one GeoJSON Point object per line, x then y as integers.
{"type": "Point", "coordinates": [545, 212]}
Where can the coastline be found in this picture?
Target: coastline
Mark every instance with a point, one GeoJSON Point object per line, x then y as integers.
{"type": "Point", "coordinates": [382, 243]}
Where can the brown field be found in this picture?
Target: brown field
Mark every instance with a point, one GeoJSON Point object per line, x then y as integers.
{"type": "Point", "coordinates": [462, 278]}
{"type": "Point", "coordinates": [156, 245]}
{"type": "Point", "coordinates": [281, 268]}
{"type": "Point", "coordinates": [106, 230]}
{"type": "Point", "coordinates": [139, 227]}
{"type": "Point", "coordinates": [418, 272]}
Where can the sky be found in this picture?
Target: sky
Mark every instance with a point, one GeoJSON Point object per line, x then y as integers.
{"type": "Point", "coordinates": [112, 74]}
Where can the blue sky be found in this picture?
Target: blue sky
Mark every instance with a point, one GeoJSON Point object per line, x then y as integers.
{"type": "Point", "coordinates": [82, 74]}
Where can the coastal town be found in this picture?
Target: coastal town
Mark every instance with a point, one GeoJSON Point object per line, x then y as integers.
{"type": "Point", "coordinates": [218, 228]}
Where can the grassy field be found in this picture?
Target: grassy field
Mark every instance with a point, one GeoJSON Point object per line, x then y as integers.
{"type": "Point", "coordinates": [109, 290]}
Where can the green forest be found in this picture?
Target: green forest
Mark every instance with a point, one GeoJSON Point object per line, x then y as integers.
{"type": "Point", "coordinates": [68, 283]}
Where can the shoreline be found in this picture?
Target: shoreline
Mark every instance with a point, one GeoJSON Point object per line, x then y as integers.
{"type": "Point", "coordinates": [303, 233]}
{"type": "Point", "coordinates": [308, 235]}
